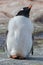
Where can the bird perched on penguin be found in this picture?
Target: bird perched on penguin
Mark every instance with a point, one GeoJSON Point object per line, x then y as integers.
{"type": "Point", "coordinates": [19, 34]}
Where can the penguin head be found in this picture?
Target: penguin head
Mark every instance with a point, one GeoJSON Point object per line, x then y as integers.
{"type": "Point", "coordinates": [25, 12]}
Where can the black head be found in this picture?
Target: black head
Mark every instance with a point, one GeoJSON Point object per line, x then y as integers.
{"type": "Point", "coordinates": [25, 12]}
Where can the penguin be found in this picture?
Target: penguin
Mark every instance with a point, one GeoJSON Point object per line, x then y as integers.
{"type": "Point", "coordinates": [19, 35]}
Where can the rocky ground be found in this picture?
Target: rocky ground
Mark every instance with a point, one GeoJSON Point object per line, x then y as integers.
{"type": "Point", "coordinates": [35, 59]}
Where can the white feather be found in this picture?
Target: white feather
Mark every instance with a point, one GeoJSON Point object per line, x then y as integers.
{"type": "Point", "coordinates": [19, 38]}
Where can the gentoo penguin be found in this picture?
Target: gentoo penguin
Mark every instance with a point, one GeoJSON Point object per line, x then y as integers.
{"type": "Point", "coordinates": [19, 37]}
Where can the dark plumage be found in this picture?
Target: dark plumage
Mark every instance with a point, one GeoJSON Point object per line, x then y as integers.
{"type": "Point", "coordinates": [25, 12]}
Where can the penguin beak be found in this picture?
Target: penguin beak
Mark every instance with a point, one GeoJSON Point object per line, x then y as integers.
{"type": "Point", "coordinates": [30, 6]}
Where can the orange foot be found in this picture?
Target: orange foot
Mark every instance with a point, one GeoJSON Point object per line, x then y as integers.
{"type": "Point", "coordinates": [16, 57]}
{"type": "Point", "coordinates": [13, 56]}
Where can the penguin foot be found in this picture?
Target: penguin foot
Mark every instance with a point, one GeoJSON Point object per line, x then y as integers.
{"type": "Point", "coordinates": [13, 56]}
{"type": "Point", "coordinates": [16, 57]}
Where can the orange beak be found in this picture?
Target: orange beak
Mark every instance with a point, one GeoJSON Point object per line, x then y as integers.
{"type": "Point", "coordinates": [30, 6]}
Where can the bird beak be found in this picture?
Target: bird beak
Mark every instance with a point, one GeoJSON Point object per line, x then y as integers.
{"type": "Point", "coordinates": [30, 6]}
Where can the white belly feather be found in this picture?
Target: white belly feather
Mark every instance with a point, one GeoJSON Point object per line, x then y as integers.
{"type": "Point", "coordinates": [19, 38]}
